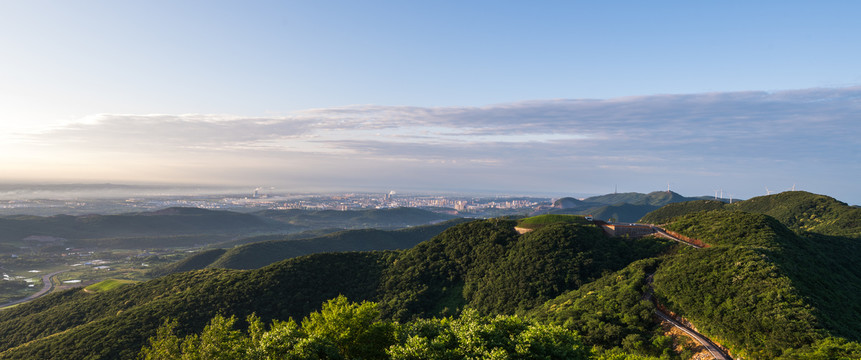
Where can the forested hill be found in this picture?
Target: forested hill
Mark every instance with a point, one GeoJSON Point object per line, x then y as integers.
{"type": "Point", "coordinates": [763, 289]}
{"type": "Point", "coordinates": [262, 253]}
{"type": "Point", "coordinates": [655, 198]}
{"type": "Point", "coordinates": [354, 219]}
{"type": "Point", "coordinates": [171, 221]}
{"type": "Point", "coordinates": [192, 226]}
{"type": "Point", "coordinates": [801, 211]}
{"type": "Point", "coordinates": [625, 207]}
{"type": "Point", "coordinates": [482, 264]}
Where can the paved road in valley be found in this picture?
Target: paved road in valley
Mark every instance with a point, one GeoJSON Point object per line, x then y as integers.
{"type": "Point", "coordinates": [704, 341]}
{"type": "Point", "coordinates": [47, 285]}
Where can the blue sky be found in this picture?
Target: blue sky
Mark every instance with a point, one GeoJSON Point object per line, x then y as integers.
{"type": "Point", "coordinates": [555, 97]}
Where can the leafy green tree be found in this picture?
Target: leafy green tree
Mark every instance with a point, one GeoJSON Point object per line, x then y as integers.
{"type": "Point", "coordinates": [353, 328]}
{"type": "Point", "coordinates": [472, 336]}
{"type": "Point", "coordinates": [344, 330]}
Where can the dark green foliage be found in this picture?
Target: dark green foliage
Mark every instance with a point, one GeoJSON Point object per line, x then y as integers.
{"type": "Point", "coordinates": [826, 349]}
{"type": "Point", "coordinates": [487, 266]}
{"type": "Point", "coordinates": [174, 227]}
{"type": "Point", "coordinates": [798, 210]}
{"type": "Point", "coordinates": [434, 271]}
{"type": "Point", "coordinates": [115, 324]}
{"type": "Point", "coordinates": [806, 212]}
{"type": "Point", "coordinates": [655, 198]}
{"type": "Point", "coordinates": [737, 228]}
{"type": "Point", "coordinates": [762, 289]}
{"type": "Point", "coordinates": [307, 234]}
{"type": "Point", "coordinates": [111, 229]}
{"type": "Point", "coordinates": [547, 219]}
{"type": "Point", "coordinates": [609, 312]}
{"type": "Point", "coordinates": [624, 207]}
{"type": "Point", "coordinates": [739, 298]}
{"type": "Point", "coordinates": [622, 212]}
{"type": "Point", "coordinates": [670, 211]}
{"type": "Point", "coordinates": [567, 203]}
{"type": "Point", "coordinates": [551, 260]}
{"type": "Point", "coordinates": [196, 261]}
{"type": "Point", "coordinates": [260, 254]}
{"type": "Point", "coordinates": [343, 330]}
{"type": "Point", "coordinates": [354, 219]}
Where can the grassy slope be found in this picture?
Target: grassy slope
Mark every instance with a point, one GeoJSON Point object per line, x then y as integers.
{"type": "Point", "coordinates": [108, 285]}
{"type": "Point", "coordinates": [547, 219]}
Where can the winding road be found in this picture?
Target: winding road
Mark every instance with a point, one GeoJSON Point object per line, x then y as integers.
{"type": "Point", "coordinates": [704, 341]}
{"type": "Point", "coordinates": [660, 232]}
{"type": "Point", "coordinates": [47, 286]}
{"type": "Point", "coordinates": [717, 352]}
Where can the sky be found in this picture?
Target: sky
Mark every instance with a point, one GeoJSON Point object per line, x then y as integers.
{"type": "Point", "coordinates": [568, 97]}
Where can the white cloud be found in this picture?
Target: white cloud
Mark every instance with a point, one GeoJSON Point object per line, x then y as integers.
{"type": "Point", "coordinates": [551, 139]}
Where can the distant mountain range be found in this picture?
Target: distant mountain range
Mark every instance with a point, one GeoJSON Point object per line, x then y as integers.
{"type": "Point", "coordinates": [181, 226]}
{"type": "Point", "coordinates": [623, 207]}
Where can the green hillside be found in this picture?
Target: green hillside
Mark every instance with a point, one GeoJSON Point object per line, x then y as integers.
{"type": "Point", "coordinates": [763, 289]}
{"type": "Point", "coordinates": [460, 261]}
{"type": "Point", "coordinates": [535, 222]}
{"type": "Point", "coordinates": [115, 324]}
{"type": "Point", "coordinates": [108, 285]}
{"type": "Point", "coordinates": [354, 219]}
{"type": "Point", "coordinates": [655, 198]}
{"type": "Point", "coordinates": [670, 211]}
{"type": "Point", "coordinates": [611, 312]}
{"type": "Point", "coordinates": [799, 210]}
{"type": "Point", "coordinates": [180, 227]}
{"type": "Point", "coordinates": [807, 212]}
{"type": "Point", "coordinates": [259, 254]}
{"type": "Point", "coordinates": [567, 203]}
{"type": "Point", "coordinates": [163, 223]}
{"type": "Point", "coordinates": [486, 265]}
{"type": "Point", "coordinates": [195, 261]}
{"type": "Point", "coordinates": [623, 207]}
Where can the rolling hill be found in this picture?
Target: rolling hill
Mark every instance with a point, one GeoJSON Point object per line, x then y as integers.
{"type": "Point", "coordinates": [800, 211]}
{"type": "Point", "coordinates": [259, 254]}
{"type": "Point", "coordinates": [623, 207]}
{"type": "Point", "coordinates": [353, 219]}
{"type": "Point", "coordinates": [767, 288]}
{"type": "Point", "coordinates": [177, 227]}
{"type": "Point", "coordinates": [450, 269]}
{"type": "Point", "coordinates": [761, 288]}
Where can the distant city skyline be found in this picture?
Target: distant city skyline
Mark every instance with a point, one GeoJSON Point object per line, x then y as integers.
{"type": "Point", "coordinates": [553, 97]}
